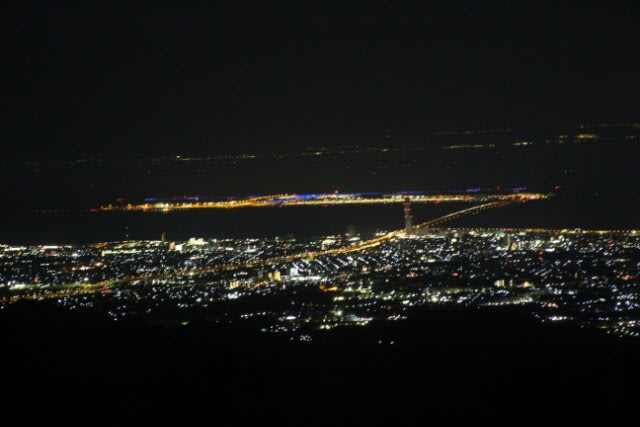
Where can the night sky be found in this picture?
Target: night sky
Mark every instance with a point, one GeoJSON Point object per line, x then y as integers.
{"type": "Point", "coordinates": [284, 75]}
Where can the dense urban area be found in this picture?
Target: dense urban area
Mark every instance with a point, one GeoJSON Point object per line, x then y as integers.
{"type": "Point", "coordinates": [587, 278]}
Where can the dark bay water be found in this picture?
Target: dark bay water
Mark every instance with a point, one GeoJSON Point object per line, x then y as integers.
{"type": "Point", "coordinates": [601, 212]}
{"type": "Point", "coordinates": [239, 223]}
{"type": "Point", "coordinates": [598, 190]}
{"type": "Point", "coordinates": [83, 227]}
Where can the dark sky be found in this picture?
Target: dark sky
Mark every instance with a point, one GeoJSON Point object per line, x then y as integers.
{"type": "Point", "coordinates": [280, 75]}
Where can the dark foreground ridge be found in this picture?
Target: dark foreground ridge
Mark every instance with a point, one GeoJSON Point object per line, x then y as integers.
{"type": "Point", "coordinates": [451, 363]}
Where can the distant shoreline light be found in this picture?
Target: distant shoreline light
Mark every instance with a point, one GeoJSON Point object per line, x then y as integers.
{"type": "Point", "coordinates": [472, 195]}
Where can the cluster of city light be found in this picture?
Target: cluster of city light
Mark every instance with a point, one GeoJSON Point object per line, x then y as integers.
{"type": "Point", "coordinates": [552, 272]}
{"type": "Point", "coordinates": [359, 246]}
{"type": "Point", "coordinates": [84, 288]}
{"type": "Point", "coordinates": [589, 278]}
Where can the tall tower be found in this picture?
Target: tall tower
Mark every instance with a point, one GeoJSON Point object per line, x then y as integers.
{"type": "Point", "coordinates": [408, 216]}
{"type": "Point", "coordinates": [508, 241]}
